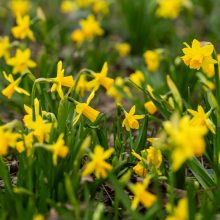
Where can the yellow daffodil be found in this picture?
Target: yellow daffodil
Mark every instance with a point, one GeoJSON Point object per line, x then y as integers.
{"type": "Point", "coordinates": [13, 86]}
{"type": "Point", "coordinates": [123, 49]}
{"type": "Point", "coordinates": [169, 8]}
{"type": "Point", "coordinates": [198, 56]}
{"type": "Point", "coordinates": [180, 212]}
{"type": "Point", "coordinates": [28, 118]}
{"type": "Point", "coordinates": [151, 108]}
{"type": "Point", "coordinates": [86, 110]}
{"type": "Point", "coordinates": [22, 30]}
{"type": "Point", "coordinates": [141, 195]}
{"type": "Point", "coordinates": [100, 7]}
{"type": "Point", "coordinates": [152, 59]}
{"type": "Point", "coordinates": [26, 143]}
{"type": "Point", "coordinates": [98, 165]}
{"type": "Point", "coordinates": [200, 118]}
{"type": "Point", "coordinates": [8, 139]}
{"type": "Point", "coordinates": [21, 62]}
{"type": "Point", "coordinates": [68, 6]}
{"type": "Point", "coordinates": [40, 128]}
{"type": "Point", "coordinates": [131, 120]}
{"type": "Point", "coordinates": [137, 77]}
{"type": "Point", "coordinates": [5, 47]}
{"type": "Point", "coordinates": [151, 160]}
{"type": "Point", "coordinates": [101, 79]}
{"type": "Point", "coordinates": [19, 7]}
{"type": "Point", "coordinates": [178, 132]}
{"type": "Point", "coordinates": [91, 27]}
{"type": "Point", "coordinates": [78, 36]}
{"type": "Point", "coordinates": [59, 149]}
{"type": "Point", "coordinates": [61, 80]}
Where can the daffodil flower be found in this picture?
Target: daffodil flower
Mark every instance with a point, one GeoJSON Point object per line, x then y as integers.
{"type": "Point", "coordinates": [178, 132]}
{"type": "Point", "coordinates": [59, 149]}
{"type": "Point", "coordinates": [131, 120]}
{"type": "Point", "coordinates": [21, 62]}
{"type": "Point", "coordinates": [152, 59]}
{"type": "Point", "coordinates": [98, 165]}
{"type": "Point", "coordinates": [151, 159]}
{"type": "Point", "coordinates": [22, 30]}
{"type": "Point", "coordinates": [198, 55]}
{"type": "Point", "coordinates": [5, 47]}
{"type": "Point", "coordinates": [179, 212]}
{"type": "Point", "coordinates": [86, 110]}
{"type": "Point", "coordinates": [19, 7]}
{"type": "Point", "coordinates": [201, 118]}
{"type": "Point", "coordinates": [91, 27]}
{"type": "Point", "coordinates": [8, 139]}
{"type": "Point", "coordinates": [141, 195]}
{"type": "Point", "coordinates": [61, 80]}
{"type": "Point", "coordinates": [101, 79]}
{"type": "Point", "coordinates": [13, 86]}
{"type": "Point", "coordinates": [123, 49]}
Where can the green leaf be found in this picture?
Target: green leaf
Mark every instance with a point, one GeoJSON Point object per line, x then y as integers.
{"type": "Point", "coordinates": [201, 174]}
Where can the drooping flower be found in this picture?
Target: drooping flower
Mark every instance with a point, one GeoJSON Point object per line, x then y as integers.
{"type": "Point", "coordinates": [180, 212]}
{"type": "Point", "coordinates": [198, 56]}
{"type": "Point", "coordinates": [21, 61]}
{"type": "Point", "coordinates": [86, 110]}
{"type": "Point", "coordinates": [123, 49]}
{"type": "Point", "coordinates": [152, 59]}
{"type": "Point", "coordinates": [176, 136]}
{"type": "Point", "coordinates": [169, 8]}
{"type": "Point", "coordinates": [137, 77]}
{"type": "Point", "coordinates": [200, 118]}
{"type": "Point", "coordinates": [131, 120]}
{"type": "Point", "coordinates": [151, 108]}
{"type": "Point", "coordinates": [141, 195]}
{"type": "Point", "coordinates": [19, 7]}
{"type": "Point", "coordinates": [98, 165]}
{"type": "Point", "coordinates": [61, 80]}
{"type": "Point", "coordinates": [22, 30]}
{"type": "Point", "coordinates": [13, 86]}
{"type": "Point", "coordinates": [101, 79]}
{"type": "Point", "coordinates": [5, 47]}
